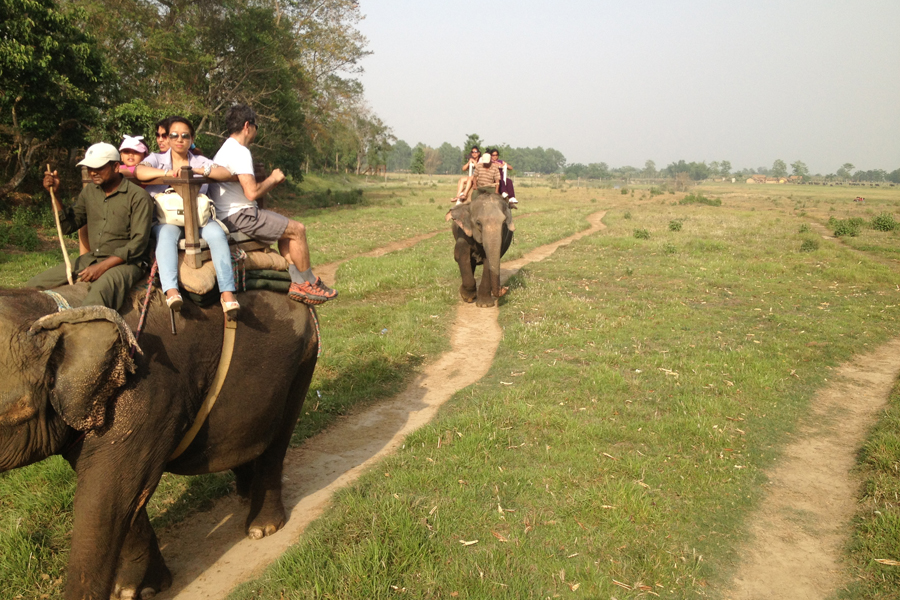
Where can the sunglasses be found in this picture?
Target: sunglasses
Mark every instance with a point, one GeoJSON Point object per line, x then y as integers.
{"type": "Point", "coordinates": [161, 135]}
{"type": "Point", "coordinates": [184, 136]}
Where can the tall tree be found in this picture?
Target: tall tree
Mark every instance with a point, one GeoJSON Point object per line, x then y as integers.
{"type": "Point", "coordinates": [724, 168]}
{"type": "Point", "coordinates": [417, 164]}
{"type": "Point", "coordinates": [779, 168]}
{"type": "Point", "coordinates": [51, 80]}
{"type": "Point", "coordinates": [649, 169]}
{"type": "Point", "coordinates": [845, 171]}
{"type": "Point", "coordinates": [399, 157]}
{"type": "Point", "coordinates": [799, 169]}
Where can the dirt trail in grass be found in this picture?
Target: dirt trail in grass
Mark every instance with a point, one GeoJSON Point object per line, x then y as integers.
{"type": "Point", "coordinates": [798, 535]}
{"type": "Point", "coordinates": [209, 554]}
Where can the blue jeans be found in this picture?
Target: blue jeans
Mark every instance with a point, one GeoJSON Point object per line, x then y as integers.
{"type": "Point", "coordinates": [167, 237]}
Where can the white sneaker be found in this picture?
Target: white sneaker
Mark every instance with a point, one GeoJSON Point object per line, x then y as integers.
{"type": "Point", "coordinates": [513, 200]}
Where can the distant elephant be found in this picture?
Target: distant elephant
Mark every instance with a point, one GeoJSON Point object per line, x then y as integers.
{"type": "Point", "coordinates": [70, 387]}
{"type": "Point", "coordinates": [483, 230]}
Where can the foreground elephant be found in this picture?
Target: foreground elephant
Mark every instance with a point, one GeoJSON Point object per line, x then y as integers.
{"type": "Point", "coordinates": [69, 387]}
{"type": "Point", "coordinates": [483, 230]}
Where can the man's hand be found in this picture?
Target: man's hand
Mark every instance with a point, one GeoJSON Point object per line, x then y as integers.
{"type": "Point", "coordinates": [277, 176]}
{"type": "Point", "coordinates": [51, 181]}
{"type": "Point", "coordinates": [93, 272]}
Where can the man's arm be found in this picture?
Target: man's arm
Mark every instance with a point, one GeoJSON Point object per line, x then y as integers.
{"type": "Point", "coordinates": [70, 219]}
{"type": "Point", "coordinates": [253, 190]}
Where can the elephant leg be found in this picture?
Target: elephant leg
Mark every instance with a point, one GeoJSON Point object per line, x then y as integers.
{"type": "Point", "coordinates": [142, 571]}
{"type": "Point", "coordinates": [463, 255]}
{"type": "Point", "coordinates": [243, 480]}
{"type": "Point", "coordinates": [266, 508]}
{"type": "Point", "coordinates": [109, 498]}
{"type": "Point", "coordinates": [484, 298]}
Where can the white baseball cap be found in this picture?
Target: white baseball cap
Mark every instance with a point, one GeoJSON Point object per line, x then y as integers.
{"type": "Point", "coordinates": [98, 155]}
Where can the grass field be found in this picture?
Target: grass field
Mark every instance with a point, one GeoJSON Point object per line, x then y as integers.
{"type": "Point", "coordinates": [647, 378]}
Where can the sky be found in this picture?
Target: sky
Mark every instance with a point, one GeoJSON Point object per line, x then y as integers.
{"type": "Point", "coordinates": [635, 80]}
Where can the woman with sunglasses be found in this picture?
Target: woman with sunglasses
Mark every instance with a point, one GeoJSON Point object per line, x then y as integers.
{"type": "Point", "coordinates": [464, 186]}
{"type": "Point", "coordinates": [169, 164]}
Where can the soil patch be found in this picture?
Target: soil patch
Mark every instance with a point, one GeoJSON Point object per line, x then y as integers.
{"type": "Point", "coordinates": [799, 532]}
{"type": "Point", "coordinates": [210, 554]}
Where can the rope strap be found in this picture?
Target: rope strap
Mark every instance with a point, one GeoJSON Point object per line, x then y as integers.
{"type": "Point", "coordinates": [61, 303]}
{"type": "Point", "coordinates": [213, 393]}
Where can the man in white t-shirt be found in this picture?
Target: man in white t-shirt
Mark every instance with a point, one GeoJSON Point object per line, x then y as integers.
{"type": "Point", "coordinates": [237, 207]}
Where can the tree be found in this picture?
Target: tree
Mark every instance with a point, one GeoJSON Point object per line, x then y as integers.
{"type": "Point", "coordinates": [779, 168]}
{"type": "Point", "coordinates": [399, 156]}
{"type": "Point", "coordinates": [714, 168]}
{"type": "Point", "coordinates": [845, 170]}
{"type": "Point", "coordinates": [649, 169]}
{"type": "Point", "coordinates": [724, 168]}
{"type": "Point", "coordinates": [51, 80]}
{"type": "Point", "coordinates": [799, 169]}
{"type": "Point", "coordinates": [432, 160]}
{"type": "Point", "coordinates": [450, 162]}
{"type": "Point", "coordinates": [417, 165]}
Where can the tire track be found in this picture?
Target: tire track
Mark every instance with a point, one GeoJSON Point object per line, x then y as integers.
{"type": "Point", "coordinates": [210, 554]}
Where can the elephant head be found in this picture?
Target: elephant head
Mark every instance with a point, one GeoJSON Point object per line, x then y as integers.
{"type": "Point", "coordinates": [488, 221]}
{"type": "Point", "coordinates": [63, 367]}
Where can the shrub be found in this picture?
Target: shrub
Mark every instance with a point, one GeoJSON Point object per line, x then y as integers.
{"type": "Point", "coordinates": [624, 191]}
{"type": "Point", "coordinates": [669, 248]}
{"type": "Point", "coordinates": [804, 228]}
{"type": "Point", "coordinates": [627, 215]}
{"type": "Point", "coordinates": [699, 198]}
{"type": "Point", "coordinates": [655, 191]}
{"type": "Point", "coordinates": [593, 201]}
{"type": "Point", "coordinates": [809, 245]}
{"type": "Point", "coordinates": [845, 227]}
{"type": "Point", "coordinates": [885, 222]}
{"type": "Point", "coordinates": [675, 225]}
{"type": "Point", "coordinates": [24, 237]}
{"type": "Point", "coordinates": [642, 234]}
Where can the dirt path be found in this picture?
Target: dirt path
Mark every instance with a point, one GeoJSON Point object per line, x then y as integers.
{"type": "Point", "coordinates": [210, 554]}
{"type": "Point", "coordinates": [798, 534]}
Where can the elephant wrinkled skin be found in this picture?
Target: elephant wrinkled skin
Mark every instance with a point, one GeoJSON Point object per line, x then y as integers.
{"type": "Point", "coordinates": [69, 387]}
{"type": "Point", "coordinates": [483, 230]}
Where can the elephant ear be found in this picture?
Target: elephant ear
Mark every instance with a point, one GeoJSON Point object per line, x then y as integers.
{"type": "Point", "coordinates": [462, 216]}
{"type": "Point", "coordinates": [509, 221]}
{"type": "Point", "coordinates": [90, 361]}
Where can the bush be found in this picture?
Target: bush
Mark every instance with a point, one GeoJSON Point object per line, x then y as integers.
{"type": "Point", "coordinates": [804, 228]}
{"type": "Point", "coordinates": [642, 234]}
{"type": "Point", "coordinates": [655, 191]}
{"type": "Point", "coordinates": [699, 198]}
{"type": "Point", "coordinates": [844, 227]}
{"type": "Point", "coordinates": [809, 245]}
{"type": "Point", "coordinates": [885, 222]}
{"type": "Point", "coordinates": [24, 237]}
{"type": "Point", "coordinates": [627, 215]}
{"type": "Point", "coordinates": [675, 225]}
{"type": "Point", "coordinates": [330, 198]}
{"type": "Point", "coordinates": [624, 191]}
{"type": "Point", "coordinates": [669, 248]}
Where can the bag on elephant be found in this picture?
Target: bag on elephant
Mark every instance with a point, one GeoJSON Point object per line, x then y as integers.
{"type": "Point", "coordinates": [170, 208]}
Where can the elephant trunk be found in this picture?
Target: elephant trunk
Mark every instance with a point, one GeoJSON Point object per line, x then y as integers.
{"type": "Point", "coordinates": [492, 242]}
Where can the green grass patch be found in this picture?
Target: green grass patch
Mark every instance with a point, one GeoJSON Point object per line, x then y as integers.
{"type": "Point", "coordinates": [699, 198]}
{"type": "Point", "coordinates": [620, 435]}
{"type": "Point", "coordinates": [877, 523]}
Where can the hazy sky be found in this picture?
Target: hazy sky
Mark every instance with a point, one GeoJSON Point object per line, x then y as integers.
{"type": "Point", "coordinates": [626, 81]}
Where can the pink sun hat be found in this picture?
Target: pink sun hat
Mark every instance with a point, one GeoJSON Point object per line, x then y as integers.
{"type": "Point", "coordinates": [134, 143]}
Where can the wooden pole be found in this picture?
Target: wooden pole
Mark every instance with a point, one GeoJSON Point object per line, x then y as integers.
{"type": "Point", "coordinates": [62, 241]}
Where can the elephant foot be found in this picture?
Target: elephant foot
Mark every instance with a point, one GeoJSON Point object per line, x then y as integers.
{"type": "Point", "coordinates": [485, 302]}
{"type": "Point", "coordinates": [142, 579]}
{"type": "Point", "coordinates": [268, 519]}
{"type": "Point", "coordinates": [142, 571]}
{"type": "Point", "coordinates": [466, 294]}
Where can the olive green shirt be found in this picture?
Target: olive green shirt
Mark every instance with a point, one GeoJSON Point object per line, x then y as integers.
{"type": "Point", "coordinates": [118, 224]}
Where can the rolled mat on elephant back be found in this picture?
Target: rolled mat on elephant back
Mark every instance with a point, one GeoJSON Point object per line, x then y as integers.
{"type": "Point", "coordinates": [203, 280]}
{"type": "Point", "coordinates": [274, 281]}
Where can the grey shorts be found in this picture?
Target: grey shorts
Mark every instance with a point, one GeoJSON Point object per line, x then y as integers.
{"type": "Point", "coordinates": [262, 225]}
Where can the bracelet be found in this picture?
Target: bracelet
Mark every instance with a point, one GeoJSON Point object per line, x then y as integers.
{"type": "Point", "coordinates": [207, 170]}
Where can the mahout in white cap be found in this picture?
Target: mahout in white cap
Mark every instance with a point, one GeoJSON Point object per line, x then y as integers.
{"type": "Point", "coordinates": [98, 155]}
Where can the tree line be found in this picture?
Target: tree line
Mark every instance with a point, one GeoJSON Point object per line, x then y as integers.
{"type": "Point", "coordinates": [73, 72]}
{"type": "Point", "coordinates": [449, 159]}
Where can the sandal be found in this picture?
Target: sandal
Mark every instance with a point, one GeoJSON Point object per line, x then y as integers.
{"type": "Point", "coordinates": [175, 302]}
{"type": "Point", "coordinates": [230, 309]}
